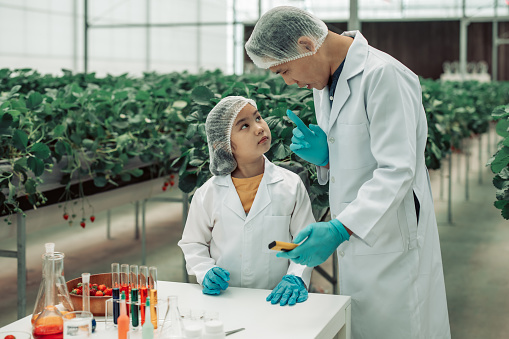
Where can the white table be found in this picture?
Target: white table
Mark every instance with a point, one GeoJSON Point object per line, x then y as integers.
{"type": "Point", "coordinates": [321, 316]}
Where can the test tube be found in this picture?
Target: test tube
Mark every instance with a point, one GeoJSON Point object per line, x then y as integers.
{"type": "Point", "coordinates": [133, 279]}
{"type": "Point", "coordinates": [152, 284]}
{"type": "Point", "coordinates": [115, 284]}
{"type": "Point", "coordinates": [85, 298]}
{"type": "Point", "coordinates": [124, 283]}
{"type": "Point", "coordinates": [143, 287]}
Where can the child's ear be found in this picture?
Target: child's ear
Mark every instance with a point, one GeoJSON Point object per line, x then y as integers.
{"type": "Point", "coordinates": [306, 44]}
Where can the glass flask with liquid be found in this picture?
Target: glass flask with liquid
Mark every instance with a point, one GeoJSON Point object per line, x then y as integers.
{"type": "Point", "coordinates": [53, 299]}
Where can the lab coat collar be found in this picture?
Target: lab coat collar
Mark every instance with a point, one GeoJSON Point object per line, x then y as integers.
{"type": "Point", "coordinates": [262, 199]}
{"type": "Point", "coordinates": [354, 64]}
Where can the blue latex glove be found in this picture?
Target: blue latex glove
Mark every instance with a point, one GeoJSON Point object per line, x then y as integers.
{"type": "Point", "coordinates": [309, 143]}
{"type": "Point", "coordinates": [290, 290]}
{"type": "Point", "coordinates": [215, 280]}
{"type": "Point", "coordinates": [322, 240]}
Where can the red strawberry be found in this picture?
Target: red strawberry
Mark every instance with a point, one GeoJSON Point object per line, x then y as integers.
{"type": "Point", "coordinates": [66, 216]}
{"type": "Point", "coordinates": [164, 188]}
{"type": "Point", "coordinates": [9, 336]}
{"type": "Point", "coordinates": [99, 294]}
{"type": "Point", "coordinates": [82, 224]}
{"type": "Point", "coordinates": [166, 183]}
{"type": "Point", "coordinates": [92, 218]}
{"type": "Point", "coordinates": [172, 183]}
{"type": "Point", "coordinates": [172, 176]}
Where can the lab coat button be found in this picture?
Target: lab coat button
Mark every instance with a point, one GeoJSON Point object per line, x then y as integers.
{"type": "Point", "coordinates": [341, 253]}
{"type": "Point", "coordinates": [331, 140]}
{"type": "Point", "coordinates": [331, 98]}
{"type": "Point", "coordinates": [333, 180]}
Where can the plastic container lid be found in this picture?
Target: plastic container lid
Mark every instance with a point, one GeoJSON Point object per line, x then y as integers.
{"type": "Point", "coordinates": [193, 331]}
{"type": "Point", "coordinates": [214, 326]}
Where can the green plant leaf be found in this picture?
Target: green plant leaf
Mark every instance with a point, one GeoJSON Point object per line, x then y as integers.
{"type": "Point", "coordinates": [36, 166]}
{"type": "Point", "coordinates": [202, 95]}
{"type": "Point", "coordinates": [30, 186]}
{"type": "Point", "coordinates": [6, 121]}
{"type": "Point", "coordinates": [20, 140]}
{"type": "Point", "coordinates": [100, 181]}
{"type": "Point", "coordinates": [502, 127]}
{"type": "Point", "coordinates": [59, 130]}
{"type": "Point", "coordinates": [196, 162]}
{"type": "Point", "coordinates": [137, 172]}
{"type": "Point", "coordinates": [34, 100]}
{"type": "Point", "coordinates": [142, 96]}
{"type": "Point", "coordinates": [501, 203]}
{"type": "Point", "coordinates": [40, 150]}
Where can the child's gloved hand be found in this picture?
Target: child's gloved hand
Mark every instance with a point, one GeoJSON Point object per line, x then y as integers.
{"type": "Point", "coordinates": [215, 280]}
{"type": "Point", "coordinates": [322, 240]}
{"type": "Point", "coordinates": [309, 143]}
{"type": "Point", "coordinates": [289, 291]}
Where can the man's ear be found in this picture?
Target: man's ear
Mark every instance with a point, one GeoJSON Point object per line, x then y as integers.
{"type": "Point", "coordinates": [307, 44]}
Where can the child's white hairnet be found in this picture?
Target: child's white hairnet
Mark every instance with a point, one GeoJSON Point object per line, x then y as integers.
{"type": "Point", "coordinates": [219, 130]}
{"type": "Point", "coordinates": [274, 40]}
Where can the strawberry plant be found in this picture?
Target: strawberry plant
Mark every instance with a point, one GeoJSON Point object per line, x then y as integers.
{"type": "Point", "coordinates": [499, 163]}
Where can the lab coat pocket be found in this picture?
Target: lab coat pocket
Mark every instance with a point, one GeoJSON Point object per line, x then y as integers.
{"type": "Point", "coordinates": [275, 228]}
{"type": "Point", "coordinates": [389, 239]}
{"type": "Point", "coordinates": [352, 146]}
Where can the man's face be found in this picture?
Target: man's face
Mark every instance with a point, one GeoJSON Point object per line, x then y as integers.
{"type": "Point", "coordinates": [305, 72]}
{"type": "Point", "coordinates": [250, 136]}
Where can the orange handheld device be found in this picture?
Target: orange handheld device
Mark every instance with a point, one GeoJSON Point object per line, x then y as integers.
{"type": "Point", "coordinates": [282, 246]}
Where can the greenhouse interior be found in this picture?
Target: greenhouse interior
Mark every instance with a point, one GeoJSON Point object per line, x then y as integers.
{"type": "Point", "coordinates": [213, 168]}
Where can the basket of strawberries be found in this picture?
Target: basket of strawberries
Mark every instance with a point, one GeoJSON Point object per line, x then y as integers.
{"type": "Point", "coordinates": [100, 291]}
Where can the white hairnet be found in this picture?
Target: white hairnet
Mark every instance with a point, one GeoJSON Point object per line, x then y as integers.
{"type": "Point", "coordinates": [275, 37]}
{"type": "Point", "coordinates": [219, 130]}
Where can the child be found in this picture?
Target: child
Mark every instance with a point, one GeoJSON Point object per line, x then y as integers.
{"type": "Point", "coordinates": [249, 203]}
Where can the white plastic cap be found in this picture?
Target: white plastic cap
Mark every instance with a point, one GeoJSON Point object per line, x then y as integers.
{"type": "Point", "coordinates": [193, 331]}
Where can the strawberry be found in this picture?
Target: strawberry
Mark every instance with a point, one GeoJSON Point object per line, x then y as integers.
{"type": "Point", "coordinates": [9, 336]}
{"type": "Point", "coordinates": [109, 291]}
{"type": "Point", "coordinates": [66, 216]}
{"type": "Point", "coordinates": [172, 176]}
{"type": "Point", "coordinates": [101, 287]}
{"type": "Point", "coordinates": [166, 183]}
{"type": "Point", "coordinates": [164, 188]}
{"type": "Point", "coordinates": [93, 293]}
{"type": "Point", "coordinates": [82, 224]}
{"type": "Point", "coordinates": [92, 218]}
{"type": "Point", "coordinates": [99, 294]}
{"type": "Point", "coordinates": [172, 183]}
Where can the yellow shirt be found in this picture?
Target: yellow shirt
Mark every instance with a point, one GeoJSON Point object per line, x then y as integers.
{"type": "Point", "coordinates": [246, 189]}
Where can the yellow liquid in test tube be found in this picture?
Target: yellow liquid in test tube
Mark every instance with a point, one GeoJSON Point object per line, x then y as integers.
{"type": "Point", "coordinates": [153, 303]}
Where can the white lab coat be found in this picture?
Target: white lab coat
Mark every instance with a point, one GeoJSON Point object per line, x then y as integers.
{"type": "Point", "coordinates": [376, 132]}
{"type": "Point", "coordinates": [218, 232]}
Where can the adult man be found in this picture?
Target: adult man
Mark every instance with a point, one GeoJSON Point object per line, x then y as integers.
{"type": "Point", "coordinates": [369, 144]}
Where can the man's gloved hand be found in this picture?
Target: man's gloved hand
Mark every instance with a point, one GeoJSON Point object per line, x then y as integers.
{"type": "Point", "coordinates": [322, 240]}
{"type": "Point", "coordinates": [309, 143]}
{"type": "Point", "coordinates": [289, 291]}
{"type": "Point", "coordinates": [215, 280]}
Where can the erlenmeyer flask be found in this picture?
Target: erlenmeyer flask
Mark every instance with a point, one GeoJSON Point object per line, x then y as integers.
{"type": "Point", "coordinates": [172, 323]}
{"type": "Point", "coordinates": [53, 299]}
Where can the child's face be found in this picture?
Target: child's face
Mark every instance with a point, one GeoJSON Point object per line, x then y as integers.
{"type": "Point", "coordinates": [250, 135]}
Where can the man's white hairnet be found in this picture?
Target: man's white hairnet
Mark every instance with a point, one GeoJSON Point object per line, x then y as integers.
{"type": "Point", "coordinates": [275, 37]}
{"type": "Point", "coordinates": [219, 130]}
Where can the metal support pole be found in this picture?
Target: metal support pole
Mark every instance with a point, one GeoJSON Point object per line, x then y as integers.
{"type": "Point", "coordinates": [75, 36]}
{"type": "Point", "coordinates": [22, 272]}
{"type": "Point", "coordinates": [467, 168]}
{"type": "Point", "coordinates": [441, 182]}
{"type": "Point", "coordinates": [185, 210]}
{"type": "Point", "coordinates": [458, 165]}
{"type": "Point", "coordinates": [85, 39]}
{"type": "Point", "coordinates": [136, 221]}
{"type": "Point", "coordinates": [259, 9]}
{"type": "Point", "coordinates": [198, 37]}
{"type": "Point", "coordinates": [463, 47]}
{"type": "Point", "coordinates": [143, 233]}
{"type": "Point", "coordinates": [234, 8]}
{"type": "Point", "coordinates": [147, 36]}
{"type": "Point", "coordinates": [449, 202]}
{"type": "Point", "coordinates": [108, 224]}
{"type": "Point", "coordinates": [494, 50]}
{"type": "Point", "coordinates": [354, 22]}
{"type": "Point", "coordinates": [481, 166]}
